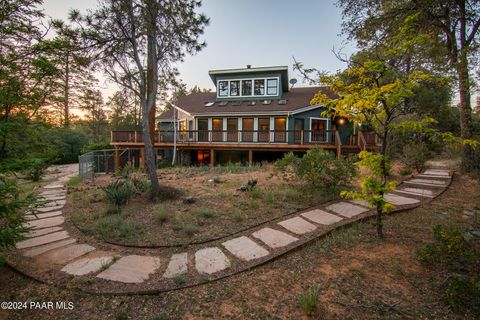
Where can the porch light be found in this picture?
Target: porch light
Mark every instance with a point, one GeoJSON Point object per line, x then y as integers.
{"type": "Point", "coordinates": [341, 121]}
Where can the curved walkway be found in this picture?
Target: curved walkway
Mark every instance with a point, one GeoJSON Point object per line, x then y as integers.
{"type": "Point", "coordinates": [50, 254]}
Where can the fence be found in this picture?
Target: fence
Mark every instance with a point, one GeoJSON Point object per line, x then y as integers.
{"type": "Point", "coordinates": [103, 161]}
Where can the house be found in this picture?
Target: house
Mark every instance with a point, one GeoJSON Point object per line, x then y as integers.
{"type": "Point", "coordinates": [253, 115]}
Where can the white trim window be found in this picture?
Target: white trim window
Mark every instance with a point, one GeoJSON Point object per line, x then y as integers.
{"type": "Point", "coordinates": [272, 87]}
{"type": "Point", "coordinates": [253, 87]}
{"type": "Point", "coordinates": [222, 88]}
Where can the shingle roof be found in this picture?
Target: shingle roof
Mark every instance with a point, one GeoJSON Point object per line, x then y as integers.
{"type": "Point", "coordinates": [296, 98]}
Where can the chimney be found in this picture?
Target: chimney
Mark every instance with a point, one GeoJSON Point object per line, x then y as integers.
{"type": "Point", "coordinates": [249, 66]}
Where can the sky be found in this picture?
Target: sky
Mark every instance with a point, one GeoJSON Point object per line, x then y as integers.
{"type": "Point", "coordinates": [255, 32]}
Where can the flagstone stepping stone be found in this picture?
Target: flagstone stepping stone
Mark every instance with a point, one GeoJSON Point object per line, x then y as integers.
{"type": "Point", "coordinates": [346, 209]}
{"type": "Point", "coordinates": [37, 241]}
{"type": "Point", "coordinates": [321, 217]}
{"type": "Point", "coordinates": [298, 225]}
{"type": "Point", "coordinates": [54, 193]}
{"type": "Point", "coordinates": [131, 269]}
{"type": "Point", "coordinates": [48, 209]}
{"type": "Point", "coordinates": [428, 181]}
{"type": "Point", "coordinates": [45, 223]}
{"type": "Point", "coordinates": [418, 192]}
{"type": "Point", "coordinates": [66, 254]}
{"type": "Point", "coordinates": [211, 260]}
{"type": "Point", "coordinates": [431, 176]}
{"type": "Point", "coordinates": [177, 265]}
{"type": "Point", "coordinates": [53, 186]}
{"type": "Point", "coordinates": [274, 238]}
{"type": "Point", "coordinates": [41, 232]}
{"type": "Point", "coordinates": [43, 215]}
{"type": "Point", "coordinates": [437, 172]}
{"type": "Point", "coordinates": [85, 266]}
{"type": "Point", "coordinates": [245, 248]}
{"type": "Point", "coordinates": [55, 203]}
{"type": "Point", "coordinates": [47, 247]}
{"type": "Point", "coordinates": [399, 200]}
{"type": "Point", "coordinates": [53, 197]}
{"type": "Point", "coordinates": [362, 203]}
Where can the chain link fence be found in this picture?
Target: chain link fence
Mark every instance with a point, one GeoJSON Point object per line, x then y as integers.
{"type": "Point", "coordinates": [103, 161]}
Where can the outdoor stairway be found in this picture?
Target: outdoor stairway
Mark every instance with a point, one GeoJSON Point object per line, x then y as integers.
{"type": "Point", "coordinates": [52, 247]}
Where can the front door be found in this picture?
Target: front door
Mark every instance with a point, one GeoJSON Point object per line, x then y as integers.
{"type": "Point", "coordinates": [319, 130]}
{"type": "Point", "coordinates": [247, 129]}
{"type": "Point", "coordinates": [202, 130]}
{"type": "Point", "coordinates": [217, 129]}
{"type": "Point", "coordinates": [263, 129]}
{"type": "Point", "coordinates": [232, 129]}
{"type": "Point", "coordinates": [280, 129]}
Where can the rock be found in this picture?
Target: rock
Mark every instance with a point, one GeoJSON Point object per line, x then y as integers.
{"type": "Point", "coordinates": [214, 180]}
{"type": "Point", "coordinates": [243, 187]}
{"type": "Point", "coordinates": [252, 183]}
{"type": "Point", "coordinates": [470, 213]}
{"type": "Point", "coordinates": [189, 200]}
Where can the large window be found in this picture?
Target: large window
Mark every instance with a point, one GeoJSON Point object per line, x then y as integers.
{"type": "Point", "coordinates": [272, 87]}
{"type": "Point", "coordinates": [223, 88]}
{"type": "Point", "coordinates": [234, 88]}
{"type": "Point", "coordinates": [246, 87]}
{"type": "Point", "coordinates": [259, 87]}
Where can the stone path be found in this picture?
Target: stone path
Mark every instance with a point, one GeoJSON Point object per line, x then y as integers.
{"type": "Point", "coordinates": [53, 248]}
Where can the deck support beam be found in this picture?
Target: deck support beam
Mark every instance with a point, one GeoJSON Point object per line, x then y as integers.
{"type": "Point", "coordinates": [250, 157]}
{"type": "Point", "coordinates": [212, 158]}
{"type": "Point", "coordinates": [142, 157]}
{"type": "Point", "coordinates": [117, 159]}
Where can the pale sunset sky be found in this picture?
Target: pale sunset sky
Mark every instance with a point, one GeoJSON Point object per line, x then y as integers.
{"type": "Point", "coordinates": [255, 32]}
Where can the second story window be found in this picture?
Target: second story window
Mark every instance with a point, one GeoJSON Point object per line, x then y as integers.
{"type": "Point", "coordinates": [272, 85]}
{"type": "Point", "coordinates": [234, 88]}
{"type": "Point", "coordinates": [259, 87]}
{"type": "Point", "coordinates": [223, 88]}
{"type": "Point", "coordinates": [246, 87]}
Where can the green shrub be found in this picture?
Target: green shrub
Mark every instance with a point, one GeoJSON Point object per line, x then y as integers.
{"type": "Point", "coordinates": [126, 170]}
{"type": "Point", "coordinates": [35, 169]}
{"type": "Point", "coordinates": [177, 225]}
{"type": "Point", "coordinates": [164, 164]}
{"type": "Point", "coordinates": [415, 155]}
{"type": "Point", "coordinates": [405, 171]}
{"type": "Point", "coordinates": [308, 300]}
{"type": "Point", "coordinates": [238, 215]}
{"type": "Point", "coordinates": [206, 213]}
{"type": "Point", "coordinates": [190, 227]}
{"type": "Point", "coordinates": [141, 184]}
{"type": "Point", "coordinates": [119, 192]}
{"type": "Point", "coordinates": [254, 193]}
{"type": "Point", "coordinates": [179, 279]}
{"type": "Point", "coordinates": [317, 168]}
{"type": "Point", "coordinates": [253, 204]}
{"type": "Point", "coordinates": [73, 181]}
{"type": "Point", "coordinates": [11, 218]}
{"type": "Point", "coordinates": [162, 213]}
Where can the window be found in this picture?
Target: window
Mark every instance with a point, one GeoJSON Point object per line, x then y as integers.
{"type": "Point", "coordinates": [234, 88]}
{"type": "Point", "coordinates": [272, 85]}
{"type": "Point", "coordinates": [246, 87]}
{"type": "Point", "coordinates": [259, 87]}
{"type": "Point", "coordinates": [223, 88]}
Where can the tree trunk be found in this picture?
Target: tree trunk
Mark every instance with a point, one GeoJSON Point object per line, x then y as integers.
{"type": "Point", "coordinates": [152, 83]}
{"type": "Point", "coordinates": [383, 164]}
{"type": "Point", "coordinates": [465, 112]}
{"type": "Point", "coordinates": [66, 122]}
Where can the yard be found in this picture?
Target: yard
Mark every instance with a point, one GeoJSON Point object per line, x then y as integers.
{"type": "Point", "coordinates": [219, 208]}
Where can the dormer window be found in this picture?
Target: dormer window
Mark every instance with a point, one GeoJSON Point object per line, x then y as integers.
{"type": "Point", "coordinates": [223, 88]}
{"type": "Point", "coordinates": [259, 87]}
{"type": "Point", "coordinates": [246, 87]}
{"type": "Point", "coordinates": [234, 88]}
{"type": "Point", "coordinates": [272, 87]}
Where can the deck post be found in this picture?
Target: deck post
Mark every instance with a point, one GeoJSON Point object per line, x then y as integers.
{"type": "Point", "coordinates": [302, 134]}
{"type": "Point", "coordinates": [212, 158]}
{"type": "Point", "coordinates": [142, 157]}
{"type": "Point", "coordinates": [117, 159]}
{"type": "Point", "coordinates": [250, 157]}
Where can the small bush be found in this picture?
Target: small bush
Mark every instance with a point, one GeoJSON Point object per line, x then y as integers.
{"type": "Point", "coordinates": [119, 192]}
{"type": "Point", "coordinates": [405, 171]}
{"type": "Point", "coordinates": [73, 181]}
{"type": "Point", "coordinates": [308, 300]}
{"type": "Point", "coordinates": [164, 164]}
{"type": "Point", "coordinates": [35, 169]}
{"type": "Point", "coordinates": [238, 215]}
{"type": "Point", "coordinates": [254, 193]}
{"type": "Point", "coordinates": [177, 225]}
{"type": "Point", "coordinates": [141, 184]}
{"type": "Point", "coordinates": [179, 279]}
{"type": "Point", "coordinates": [206, 213]}
{"type": "Point", "coordinates": [162, 213]}
{"type": "Point", "coordinates": [253, 204]}
{"type": "Point", "coordinates": [415, 155]}
{"type": "Point", "coordinates": [126, 170]}
{"type": "Point", "coordinates": [190, 228]}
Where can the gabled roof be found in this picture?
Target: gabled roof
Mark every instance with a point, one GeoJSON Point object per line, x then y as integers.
{"type": "Point", "coordinates": [296, 98]}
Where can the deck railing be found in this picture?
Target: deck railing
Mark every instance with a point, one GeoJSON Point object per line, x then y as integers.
{"type": "Point", "coordinates": [330, 137]}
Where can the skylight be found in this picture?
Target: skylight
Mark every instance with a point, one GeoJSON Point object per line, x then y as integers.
{"type": "Point", "coordinates": [209, 103]}
{"type": "Point", "coordinates": [236, 103]}
{"type": "Point", "coordinates": [223, 103]}
{"type": "Point", "coordinates": [266, 102]}
{"type": "Point", "coordinates": [251, 103]}
{"type": "Point", "coordinates": [282, 101]}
